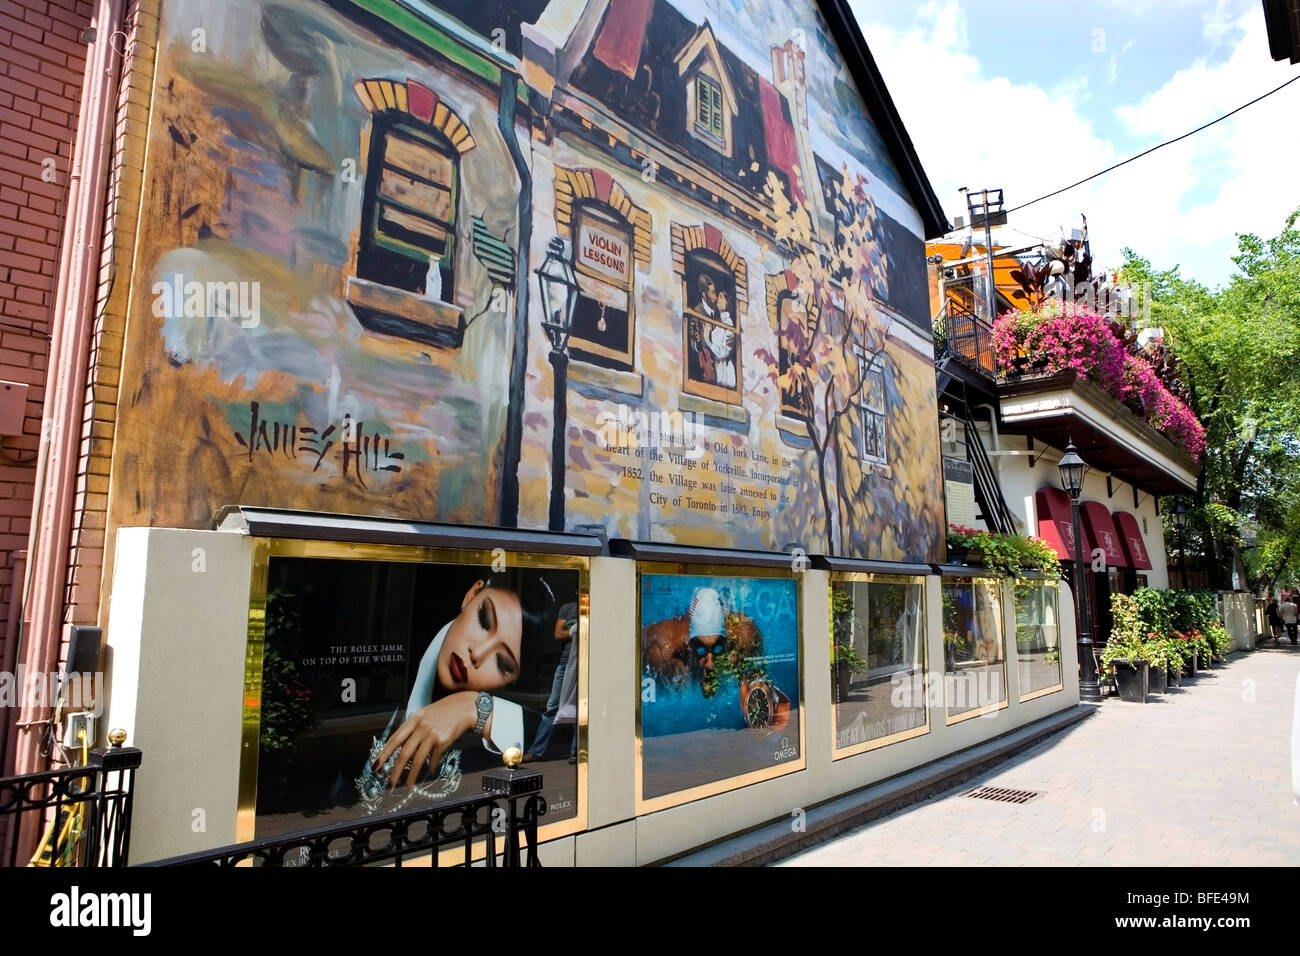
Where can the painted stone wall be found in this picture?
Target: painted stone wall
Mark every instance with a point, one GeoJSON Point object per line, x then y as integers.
{"type": "Point", "coordinates": [326, 313]}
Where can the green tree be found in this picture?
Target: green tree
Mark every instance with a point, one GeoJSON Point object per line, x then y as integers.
{"type": "Point", "coordinates": [1239, 353]}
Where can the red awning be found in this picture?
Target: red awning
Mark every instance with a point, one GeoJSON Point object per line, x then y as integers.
{"type": "Point", "coordinates": [1131, 540]}
{"type": "Point", "coordinates": [1055, 523]}
{"type": "Point", "coordinates": [1100, 531]}
{"type": "Point", "coordinates": [618, 45]}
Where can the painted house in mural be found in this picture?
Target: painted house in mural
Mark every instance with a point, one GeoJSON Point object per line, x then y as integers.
{"type": "Point", "coordinates": [747, 364]}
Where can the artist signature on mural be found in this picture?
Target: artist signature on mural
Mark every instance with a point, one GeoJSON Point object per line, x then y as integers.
{"type": "Point", "coordinates": [359, 451]}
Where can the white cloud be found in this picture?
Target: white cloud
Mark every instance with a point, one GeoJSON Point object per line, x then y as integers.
{"type": "Point", "coordinates": [1183, 204]}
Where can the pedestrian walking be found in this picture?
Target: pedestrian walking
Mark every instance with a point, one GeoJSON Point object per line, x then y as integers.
{"type": "Point", "coordinates": [1288, 612]}
{"type": "Point", "coordinates": [1274, 619]}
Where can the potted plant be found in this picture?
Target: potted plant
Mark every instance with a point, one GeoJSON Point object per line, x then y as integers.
{"type": "Point", "coordinates": [1203, 652]}
{"type": "Point", "coordinates": [845, 660]}
{"type": "Point", "coordinates": [1187, 650]}
{"type": "Point", "coordinates": [963, 544]}
{"type": "Point", "coordinates": [1220, 640]}
{"type": "Point", "coordinates": [1157, 651]}
{"type": "Point", "coordinates": [1123, 653]}
{"type": "Point", "coordinates": [1173, 663]}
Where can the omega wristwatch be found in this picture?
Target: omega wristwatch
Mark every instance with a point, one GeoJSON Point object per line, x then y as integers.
{"type": "Point", "coordinates": [484, 708]}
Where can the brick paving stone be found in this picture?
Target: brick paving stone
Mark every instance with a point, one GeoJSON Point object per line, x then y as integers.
{"type": "Point", "coordinates": [1200, 777]}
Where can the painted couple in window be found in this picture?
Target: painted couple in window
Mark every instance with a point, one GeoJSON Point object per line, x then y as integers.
{"type": "Point", "coordinates": [713, 342]}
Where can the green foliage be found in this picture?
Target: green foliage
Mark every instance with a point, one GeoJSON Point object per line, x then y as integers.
{"type": "Point", "coordinates": [1006, 553]}
{"type": "Point", "coordinates": [1126, 632]}
{"type": "Point", "coordinates": [844, 626]}
{"type": "Point", "coordinates": [1238, 353]}
{"type": "Point", "coordinates": [286, 710]}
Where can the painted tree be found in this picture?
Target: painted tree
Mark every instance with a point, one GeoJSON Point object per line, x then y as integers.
{"type": "Point", "coordinates": [832, 335]}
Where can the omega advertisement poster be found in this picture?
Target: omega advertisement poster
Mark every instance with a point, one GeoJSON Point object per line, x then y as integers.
{"type": "Point", "coordinates": [719, 683]}
{"type": "Point", "coordinates": [387, 685]}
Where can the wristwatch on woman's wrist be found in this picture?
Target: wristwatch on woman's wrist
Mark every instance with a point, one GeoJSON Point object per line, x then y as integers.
{"type": "Point", "coordinates": [483, 706]}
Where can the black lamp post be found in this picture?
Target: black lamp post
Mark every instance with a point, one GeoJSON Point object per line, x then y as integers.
{"type": "Point", "coordinates": [1180, 522]}
{"type": "Point", "coordinates": [559, 288]}
{"type": "Point", "coordinates": [1072, 469]}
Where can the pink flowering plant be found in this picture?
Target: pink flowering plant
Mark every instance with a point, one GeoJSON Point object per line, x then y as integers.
{"type": "Point", "coordinates": [1069, 337]}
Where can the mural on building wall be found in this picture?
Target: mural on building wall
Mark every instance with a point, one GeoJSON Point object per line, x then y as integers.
{"type": "Point", "coordinates": [335, 303]}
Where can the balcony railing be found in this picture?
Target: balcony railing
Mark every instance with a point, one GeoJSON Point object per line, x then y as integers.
{"type": "Point", "coordinates": [966, 337]}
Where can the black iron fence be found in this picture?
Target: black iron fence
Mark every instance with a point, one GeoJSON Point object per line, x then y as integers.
{"type": "Point", "coordinates": [457, 834]}
{"type": "Point", "coordinates": [75, 816]}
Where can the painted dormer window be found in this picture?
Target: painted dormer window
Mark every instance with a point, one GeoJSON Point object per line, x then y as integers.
{"type": "Point", "coordinates": [710, 97]}
{"type": "Point", "coordinates": [708, 107]}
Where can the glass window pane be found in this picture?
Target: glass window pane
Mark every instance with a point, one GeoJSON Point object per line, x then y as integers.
{"type": "Point", "coordinates": [1038, 636]}
{"type": "Point", "coordinates": [877, 659]}
{"type": "Point", "coordinates": [973, 646]}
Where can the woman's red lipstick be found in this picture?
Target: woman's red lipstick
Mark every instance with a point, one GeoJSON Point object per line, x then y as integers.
{"type": "Point", "coordinates": [457, 668]}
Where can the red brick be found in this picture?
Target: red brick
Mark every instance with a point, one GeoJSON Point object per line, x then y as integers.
{"type": "Point", "coordinates": [17, 260]}
{"type": "Point", "coordinates": [52, 130]}
{"type": "Point", "coordinates": [39, 187]}
{"type": "Point", "coordinates": [30, 279]}
{"type": "Point", "coordinates": [38, 19]}
{"type": "Point", "coordinates": [25, 90]}
{"type": "Point", "coordinates": [34, 248]}
{"type": "Point", "coordinates": [19, 58]}
{"type": "Point", "coordinates": [22, 310]}
{"type": "Point", "coordinates": [27, 30]}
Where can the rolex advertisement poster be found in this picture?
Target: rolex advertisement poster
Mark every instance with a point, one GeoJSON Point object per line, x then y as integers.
{"type": "Point", "coordinates": [389, 685]}
{"type": "Point", "coordinates": [720, 690]}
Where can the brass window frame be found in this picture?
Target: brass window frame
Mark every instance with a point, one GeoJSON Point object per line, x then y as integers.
{"type": "Point", "coordinates": [715, 788]}
{"type": "Point", "coordinates": [853, 750]}
{"type": "Point", "coordinates": [264, 549]}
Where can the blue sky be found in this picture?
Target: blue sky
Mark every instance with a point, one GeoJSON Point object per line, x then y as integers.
{"type": "Point", "coordinates": [1073, 88]}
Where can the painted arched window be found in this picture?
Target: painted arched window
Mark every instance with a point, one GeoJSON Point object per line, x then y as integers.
{"type": "Point", "coordinates": [411, 202]}
{"type": "Point", "coordinates": [409, 212]}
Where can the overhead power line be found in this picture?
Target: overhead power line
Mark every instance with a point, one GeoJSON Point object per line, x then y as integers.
{"type": "Point", "coordinates": [1148, 152]}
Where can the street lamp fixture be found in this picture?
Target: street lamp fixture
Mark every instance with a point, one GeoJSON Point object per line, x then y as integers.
{"type": "Point", "coordinates": [1072, 468]}
{"type": "Point", "coordinates": [558, 285]}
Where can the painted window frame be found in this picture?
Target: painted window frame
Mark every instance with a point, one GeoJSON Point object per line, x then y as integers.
{"type": "Point", "coordinates": [692, 320]}
{"type": "Point", "coordinates": [586, 350]}
{"type": "Point", "coordinates": [376, 240]}
{"type": "Point", "coordinates": [869, 415]}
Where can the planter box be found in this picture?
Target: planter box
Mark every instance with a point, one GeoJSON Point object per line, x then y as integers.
{"type": "Point", "coordinates": [1189, 667]}
{"type": "Point", "coordinates": [1156, 677]}
{"type": "Point", "coordinates": [1173, 679]}
{"type": "Point", "coordinates": [1132, 677]}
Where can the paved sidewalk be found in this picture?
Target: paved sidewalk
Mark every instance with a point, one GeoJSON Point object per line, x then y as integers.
{"type": "Point", "coordinates": [1198, 777]}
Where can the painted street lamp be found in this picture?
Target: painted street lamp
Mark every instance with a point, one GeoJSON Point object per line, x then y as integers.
{"type": "Point", "coordinates": [559, 289]}
{"type": "Point", "coordinates": [1180, 522]}
{"type": "Point", "coordinates": [1072, 469]}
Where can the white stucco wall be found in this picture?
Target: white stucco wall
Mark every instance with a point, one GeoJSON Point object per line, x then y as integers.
{"type": "Point", "coordinates": [177, 643]}
{"type": "Point", "coordinates": [1020, 482]}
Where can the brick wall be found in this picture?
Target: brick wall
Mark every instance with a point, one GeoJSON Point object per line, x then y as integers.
{"type": "Point", "coordinates": [90, 559]}
{"type": "Point", "coordinates": [41, 63]}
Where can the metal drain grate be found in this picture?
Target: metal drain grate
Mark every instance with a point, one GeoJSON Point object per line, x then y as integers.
{"type": "Point", "coordinates": [1002, 795]}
